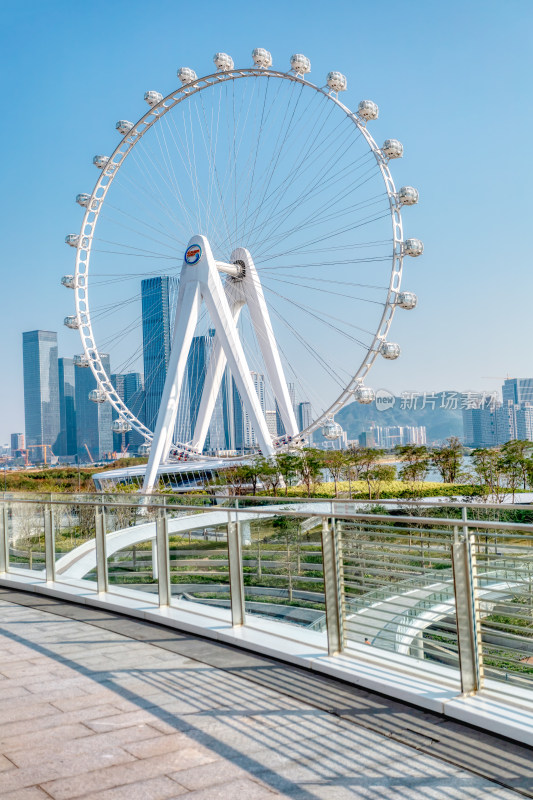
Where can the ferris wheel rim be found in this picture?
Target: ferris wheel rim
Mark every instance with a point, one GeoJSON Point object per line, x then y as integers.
{"type": "Point", "coordinates": [112, 167]}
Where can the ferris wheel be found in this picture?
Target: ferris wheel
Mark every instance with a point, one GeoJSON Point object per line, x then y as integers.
{"type": "Point", "coordinates": [276, 183]}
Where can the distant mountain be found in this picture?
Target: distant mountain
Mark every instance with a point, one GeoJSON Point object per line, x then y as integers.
{"type": "Point", "coordinates": [440, 422]}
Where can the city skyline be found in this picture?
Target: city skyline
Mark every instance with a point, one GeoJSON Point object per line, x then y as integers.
{"type": "Point", "coordinates": [61, 413]}
{"type": "Point", "coordinates": [434, 130]}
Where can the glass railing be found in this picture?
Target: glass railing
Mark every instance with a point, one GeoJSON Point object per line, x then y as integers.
{"type": "Point", "coordinates": [439, 585]}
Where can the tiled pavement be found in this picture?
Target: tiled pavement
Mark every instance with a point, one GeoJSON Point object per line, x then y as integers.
{"type": "Point", "coordinates": [87, 712]}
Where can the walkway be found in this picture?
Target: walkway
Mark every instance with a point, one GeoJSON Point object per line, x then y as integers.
{"type": "Point", "coordinates": [95, 705]}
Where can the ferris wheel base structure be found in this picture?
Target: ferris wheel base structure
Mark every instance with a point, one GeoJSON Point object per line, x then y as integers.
{"type": "Point", "coordinates": [200, 281]}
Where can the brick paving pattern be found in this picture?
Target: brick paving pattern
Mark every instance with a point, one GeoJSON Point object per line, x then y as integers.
{"type": "Point", "coordinates": [89, 713]}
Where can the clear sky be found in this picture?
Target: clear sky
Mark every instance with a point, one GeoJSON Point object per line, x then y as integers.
{"type": "Point", "coordinates": [453, 82]}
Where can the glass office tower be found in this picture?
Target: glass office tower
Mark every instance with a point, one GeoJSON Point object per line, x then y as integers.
{"type": "Point", "coordinates": [67, 408]}
{"type": "Point", "coordinates": [41, 391]}
{"type": "Point", "coordinates": [156, 327]}
{"type": "Point", "coordinates": [93, 420]}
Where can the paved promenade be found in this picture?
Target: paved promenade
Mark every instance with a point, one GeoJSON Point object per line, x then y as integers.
{"type": "Point", "coordinates": [90, 710]}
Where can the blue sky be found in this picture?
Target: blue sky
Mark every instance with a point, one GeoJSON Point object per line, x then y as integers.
{"type": "Point", "coordinates": [452, 82]}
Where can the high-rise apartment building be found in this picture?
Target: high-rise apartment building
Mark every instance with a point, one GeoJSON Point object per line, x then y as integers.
{"type": "Point", "coordinates": [94, 433]}
{"type": "Point", "coordinates": [41, 391]}
{"type": "Point", "coordinates": [490, 424]}
{"type": "Point", "coordinates": [67, 408]}
{"type": "Point", "coordinates": [391, 436]}
{"type": "Point", "coordinates": [518, 391]}
{"type": "Point", "coordinates": [156, 294]}
{"type": "Point", "coordinates": [272, 422]}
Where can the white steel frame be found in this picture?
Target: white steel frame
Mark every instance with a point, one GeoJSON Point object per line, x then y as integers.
{"type": "Point", "coordinates": [199, 282]}
{"type": "Point", "coordinates": [105, 180]}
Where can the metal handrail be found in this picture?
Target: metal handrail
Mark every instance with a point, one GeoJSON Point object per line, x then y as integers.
{"type": "Point", "coordinates": [386, 556]}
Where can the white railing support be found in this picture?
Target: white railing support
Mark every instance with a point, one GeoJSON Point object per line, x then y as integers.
{"type": "Point", "coordinates": [236, 580]}
{"type": "Point", "coordinates": [332, 559]}
{"type": "Point", "coordinates": [49, 543]}
{"type": "Point", "coordinates": [467, 610]}
{"type": "Point", "coordinates": [101, 550]}
{"type": "Point", "coordinates": [4, 539]}
{"type": "Point", "coordinates": [163, 558]}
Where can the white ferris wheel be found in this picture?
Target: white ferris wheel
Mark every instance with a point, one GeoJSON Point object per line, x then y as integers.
{"type": "Point", "coordinates": [287, 213]}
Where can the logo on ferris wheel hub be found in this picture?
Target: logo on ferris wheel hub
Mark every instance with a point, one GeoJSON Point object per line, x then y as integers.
{"type": "Point", "coordinates": [193, 254]}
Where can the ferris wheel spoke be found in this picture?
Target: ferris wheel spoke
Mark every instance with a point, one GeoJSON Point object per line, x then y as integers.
{"type": "Point", "coordinates": [311, 219]}
{"type": "Point", "coordinates": [322, 317]}
{"type": "Point", "coordinates": [123, 227]}
{"type": "Point", "coordinates": [173, 181]}
{"type": "Point", "coordinates": [278, 146]}
{"type": "Point", "coordinates": [131, 247]}
{"type": "Point", "coordinates": [149, 172]}
{"type": "Point", "coordinates": [312, 193]}
{"type": "Point", "coordinates": [311, 222]}
{"type": "Point", "coordinates": [331, 235]}
{"type": "Point", "coordinates": [148, 203]}
{"type": "Point", "coordinates": [305, 162]}
{"type": "Point", "coordinates": [211, 151]}
{"type": "Point", "coordinates": [322, 361]}
{"type": "Point", "coordinates": [140, 221]}
{"type": "Point", "coordinates": [325, 185]}
{"type": "Point", "coordinates": [324, 290]}
{"type": "Point", "coordinates": [332, 248]}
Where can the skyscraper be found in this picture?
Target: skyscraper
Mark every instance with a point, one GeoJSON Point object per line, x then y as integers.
{"type": "Point", "coordinates": [292, 396]}
{"type": "Point", "coordinates": [41, 390]}
{"type": "Point", "coordinates": [524, 422]}
{"type": "Point", "coordinates": [129, 387]}
{"type": "Point", "coordinates": [17, 443]}
{"type": "Point", "coordinates": [93, 420]}
{"type": "Point", "coordinates": [67, 408]}
{"type": "Point", "coordinates": [196, 371]}
{"type": "Point", "coordinates": [192, 389]}
{"type": "Point", "coordinates": [249, 436]}
{"type": "Point", "coordinates": [156, 327]}
{"type": "Point", "coordinates": [305, 418]}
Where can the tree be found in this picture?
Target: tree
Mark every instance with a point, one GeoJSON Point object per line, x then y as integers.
{"type": "Point", "coordinates": [351, 470]}
{"type": "Point", "coordinates": [415, 459]}
{"type": "Point", "coordinates": [233, 478]}
{"type": "Point", "coordinates": [335, 461]}
{"type": "Point", "coordinates": [269, 475]}
{"type": "Point", "coordinates": [489, 473]}
{"type": "Point", "coordinates": [447, 459]}
{"type": "Point", "coordinates": [288, 465]}
{"type": "Point", "coordinates": [516, 455]}
{"type": "Point", "coordinates": [311, 463]}
{"type": "Point", "coordinates": [377, 477]}
{"type": "Point", "coordinates": [252, 472]}
{"type": "Point", "coordinates": [289, 529]}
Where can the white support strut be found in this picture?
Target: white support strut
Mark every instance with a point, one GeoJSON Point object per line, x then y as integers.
{"type": "Point", "coordinates": [242, 289]}
{"type": "Point", "coordinates": [200, 280]}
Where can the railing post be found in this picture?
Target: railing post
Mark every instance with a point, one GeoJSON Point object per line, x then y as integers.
{"type": "Point", "coordinates": [4, 539]}
{"type": "Point", "coordinates": [49, 543]}
{"type": "Point", "coordinates": [101, 550]}
{"type": "Point", "coordinates": [236, 580]}
{"type": "Point", "coordinates": [331, 562]}
{"type": "Point", "coordinates": [163, 558]}
{"type": "Point", "coordinates": [467, 610]}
